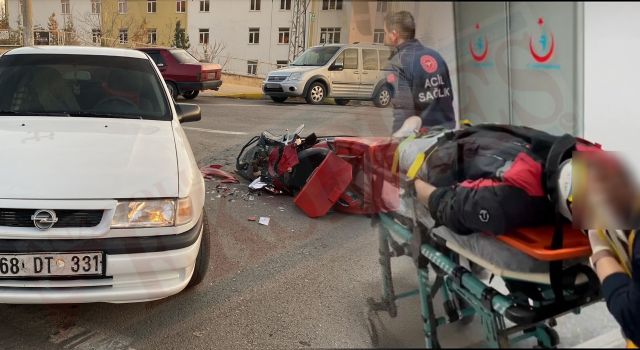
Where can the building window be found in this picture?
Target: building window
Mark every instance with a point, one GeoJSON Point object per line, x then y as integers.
{"type": "Point", "coordinates": [381, 6]}
{"type": "Point", "coordinates": [332, 4]}
{"type": "Point", "coordinates": [96, 35]}
{"type": "Point", "coordinates": [151, 6]}
{"type": "Point", "coordinates": [122, 6]}
{"type": "Point", "coordinates": [254, 35]}
{"type": "Point", "coordinates": [95, 6]}
{"type": "Point", "coordinates": [123, 36]}
{"type": "Point", "coordinates": [204, 36]}
{"type": "Point", "coordinates": [285, 4]}
{"type": "Point", "coordinates": [204, 5]}
{"type": "Point", "coordinates": [252, 67]}
{"type": "Point", "coordinates": [66, 8]}
{"type": "Point", "coordinates": [378, 36]}
{"type": "Point", "coordinates": [329, 35]}
{"type": "Point", "coordinates": [281, 64]}
{"type": "Point", "coordinates": [181, 6]}
{"type": "Point", "coordinates": [283, 35]}
{"type": "Point", "coordinates": [152, 36]}
{"type": "Point", "coordinates": [255, 5]}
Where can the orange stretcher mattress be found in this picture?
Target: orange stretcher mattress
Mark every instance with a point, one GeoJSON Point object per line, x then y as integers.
{"type": "Point", "coordinates": [536, 242]}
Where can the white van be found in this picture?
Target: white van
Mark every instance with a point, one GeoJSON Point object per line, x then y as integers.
{"type": "Point", "coordinates": [101, 199]}
{"type": "Point", "coordinates": [343, 72]}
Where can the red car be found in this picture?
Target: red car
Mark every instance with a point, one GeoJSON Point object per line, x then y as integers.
{"type": "Point", "coordinates": [184, 74]}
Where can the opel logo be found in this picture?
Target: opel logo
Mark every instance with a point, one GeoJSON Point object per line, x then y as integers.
{"type": "Point", "coordinates": [44, 219]}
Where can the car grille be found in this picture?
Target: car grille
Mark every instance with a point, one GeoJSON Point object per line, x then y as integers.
{"type": "Point", "coordinates": [277, 78]}
{"type": "Point", "coordinates": [66, 218]}
{"type": "Point", "coordinates": [277, 89]}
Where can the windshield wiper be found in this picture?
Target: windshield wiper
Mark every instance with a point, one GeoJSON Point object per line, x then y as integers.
{"type": "Point", "coordinates": [104, 115]}
{"type": "Point", "coordinates": [29, 113]}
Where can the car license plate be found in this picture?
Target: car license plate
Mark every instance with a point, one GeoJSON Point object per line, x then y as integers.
{"type": "Point", "coordinates": [272, 86]}
{"type": "Point", "coordinates": [51, 264]}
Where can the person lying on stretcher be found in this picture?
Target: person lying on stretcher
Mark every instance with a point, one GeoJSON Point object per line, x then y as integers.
{"type": "Point", "coordinates": [488, 178]}
{"type": "Point", "coordinates": [494, 178]}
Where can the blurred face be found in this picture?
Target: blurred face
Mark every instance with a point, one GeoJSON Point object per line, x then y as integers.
{"type": "Point", "coordinates": [391, 37]}
{"type": "Point", "coordinates": [608, 195]}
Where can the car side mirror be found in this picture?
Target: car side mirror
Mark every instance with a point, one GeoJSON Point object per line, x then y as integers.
{"type": "Point", "coordinates": [188, 112]}
{"type": "Point", "coordinates": [337, 66]}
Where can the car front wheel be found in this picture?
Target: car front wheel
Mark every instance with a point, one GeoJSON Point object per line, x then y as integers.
{"type": "Point", "coordinates": [190, 95]}
{"type": "Point", "coordinates": [383, 97]}
{"type": "Point", "coordinates": [202, 260]}
{"type": "Point", "coordinates": [316, 94]}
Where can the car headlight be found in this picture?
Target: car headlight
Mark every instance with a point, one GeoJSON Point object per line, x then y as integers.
{"type": "Point", "coordinates": [152, 213]}
{"type": "Point", "coordinates": [295, 76]}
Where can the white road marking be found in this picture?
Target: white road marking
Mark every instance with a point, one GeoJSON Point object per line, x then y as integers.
{"type": "Point", "coordinates": [214, 131]}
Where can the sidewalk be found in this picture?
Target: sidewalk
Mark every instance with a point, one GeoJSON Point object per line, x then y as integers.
{"type": "Point", "coordinates": [236, 91]}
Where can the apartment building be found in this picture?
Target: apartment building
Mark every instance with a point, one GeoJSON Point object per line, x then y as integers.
{"type": "Point", "coordinates": [245, 36]}
{"type": "Point", "coordinates": [76, 20]}
{"type": "Point", "coordinates": [134, 23]}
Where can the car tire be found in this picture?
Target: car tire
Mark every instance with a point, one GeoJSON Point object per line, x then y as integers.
{"type": "Point", "coordinates": [278, 99]}
{"type": "Point", "coordinates": [202, 260]}
{"type": "Point", "coordinates": [190, 95]}
{"type": "Point", "coordinates": [173, 90]}
{"type": "Point", "coordinates": [316, 93]}
{"type": "Point", "coordinates": [341, 102]}
{"type": "Point", "coordinates": [382, 98]}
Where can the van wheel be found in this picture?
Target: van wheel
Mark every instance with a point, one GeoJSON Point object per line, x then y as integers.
{"type": "Point", "coordinates": [202, 260]}
{"type": "Point", "coordinates": [341, 102]}
{"type": "Point", "coordinates": [278, 99]}
{"type": "Point", "coordinates": [173, 90]}
{"type": "Point", "coordinates": [316, 93]}
{"type": "Point", "coordinates": [190, 95]}
{"type": "Point", "coordinates": [383, 97]}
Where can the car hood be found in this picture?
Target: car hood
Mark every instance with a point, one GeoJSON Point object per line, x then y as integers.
{"type": "Point", "coordinates": [86, 158]}
{"type": "Point", "coordinates": [288, 70]}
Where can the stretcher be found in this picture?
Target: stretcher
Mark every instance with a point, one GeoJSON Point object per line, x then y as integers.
{"type": "Point", "coordinates": [544, 268]}
{"type": "Point", "coordinates": [529, 309]}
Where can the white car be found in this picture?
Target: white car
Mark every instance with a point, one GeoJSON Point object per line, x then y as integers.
{"type": "Point", "coordinates": [101, 199]}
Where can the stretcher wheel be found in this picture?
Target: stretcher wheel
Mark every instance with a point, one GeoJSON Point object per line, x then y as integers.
{"type": "Point", "coordinates": [553, 336]}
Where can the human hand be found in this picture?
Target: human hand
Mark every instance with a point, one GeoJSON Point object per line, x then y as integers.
{"type": "Point", "coordinates": [423, 191]}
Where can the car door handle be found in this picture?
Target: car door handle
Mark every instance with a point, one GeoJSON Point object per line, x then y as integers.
{"type": "Point", "coordinates": [356, 72]}
{"type": "Point", "coordinates": [365, 72]}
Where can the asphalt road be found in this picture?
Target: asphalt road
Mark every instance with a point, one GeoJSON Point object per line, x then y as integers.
{"type": "Point", "coordinates": [296, 283]}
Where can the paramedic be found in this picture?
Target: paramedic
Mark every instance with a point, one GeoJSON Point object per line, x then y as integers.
{"type": "Point", "coordinates": [420, 76]}
{"type": "Point", "coordinates": [620, 289]}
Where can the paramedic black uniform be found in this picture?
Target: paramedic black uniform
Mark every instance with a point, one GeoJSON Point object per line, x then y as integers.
{"type": "Point", "coordinates": [422, 86]}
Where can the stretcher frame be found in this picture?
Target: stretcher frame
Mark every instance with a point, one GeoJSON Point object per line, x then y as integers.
{"type": "Point", "coordinates": [464, 295]}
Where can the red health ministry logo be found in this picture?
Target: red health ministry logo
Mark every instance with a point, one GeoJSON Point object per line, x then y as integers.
{"type": "Point", "coordinates": [547, 45]}
{"type": "Point", "coordinates": [429, 64]}
{"type": "Point", "coordinates": [480, 49]}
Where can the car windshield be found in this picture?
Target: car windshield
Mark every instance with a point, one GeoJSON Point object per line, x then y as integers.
{"type": "Point", "coordinates": [183, 56]}
{"type": "Point", "coordinates": [81, 85]}
{"type": "Point", "coordinates": [316, 56]}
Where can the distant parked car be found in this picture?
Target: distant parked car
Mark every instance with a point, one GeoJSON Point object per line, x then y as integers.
{"type": "Point", "coordinates": [183, 73]}
{"type": "Point", "coordinates": [344, 72]}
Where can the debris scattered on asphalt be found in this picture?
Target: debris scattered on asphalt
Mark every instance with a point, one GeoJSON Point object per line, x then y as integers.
{"type": "Point", "coordinates": [281, 208]}
{"type": "Point", "coordinates": [198, 333]}
{"type": "Point", "coordinates": [214, 171]}
{"type": "Point", "coordinates": [264, 220]}
{"type": "Point", "coordinates": [252, 218]}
